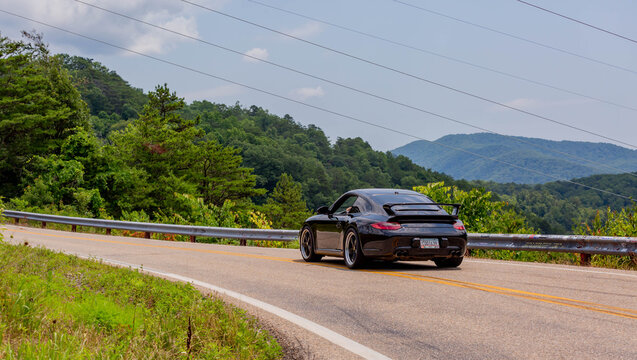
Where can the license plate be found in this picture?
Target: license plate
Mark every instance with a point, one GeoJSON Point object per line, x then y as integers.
{"type": "Point", "coordinates": [429, 244]}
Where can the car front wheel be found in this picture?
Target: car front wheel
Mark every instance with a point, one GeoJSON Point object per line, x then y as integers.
{"type": "Point", "coordinates": [352, 252]}
{"type": "Point", "coordinates": [306, 243]}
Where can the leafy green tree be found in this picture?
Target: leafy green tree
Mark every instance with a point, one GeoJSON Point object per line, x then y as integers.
{"type": "Point", "coordinates": [219, 175]}
{"type": "Point", "coordinates": [285, 205]}
{"type": "Point", "coordinates": [39, 107]}
{"type": "Point", "coordinates": [173, 157]}
{"type": "Point", "coordinates": [478, 211]}
{"type": "Point", "coordinates": [54, 183]}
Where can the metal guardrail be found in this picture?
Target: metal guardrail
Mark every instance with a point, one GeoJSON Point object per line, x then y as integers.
{"type": "Point", "coordinates": [581, 244]}
{"type": "Point", "coordinates": [149, 228]}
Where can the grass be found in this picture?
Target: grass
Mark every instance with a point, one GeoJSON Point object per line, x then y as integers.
{"type": "Point", "coordinates": [58, 306]}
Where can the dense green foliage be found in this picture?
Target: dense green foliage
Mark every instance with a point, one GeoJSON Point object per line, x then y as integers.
{"type": "Point", "coordinates": [285, 206]}
{"type": "Point", "coordinates": [157, 158]}
{"type": "Point", "coordinates": [110, 99]}
{"type": "Point", "coordinates": [613, 223]}
{"type": "Point", "coordinates": [39, 108]}
{"type": "Point", "coordinates": [274, 145]}
{"type": "Point", "coordinates": [479, 212]}
{"type": "Point", "coordinates": [559, 207]}
{"type": "Point", "coordinates": [530, 153]}
{"type": "Point", "coordinates": [155, 167]}
{"type": "Point", "coordinates": [56, 306]}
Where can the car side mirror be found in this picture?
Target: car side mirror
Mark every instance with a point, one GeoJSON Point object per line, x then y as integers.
{"type": "Point", "coordinates": [323, 210]}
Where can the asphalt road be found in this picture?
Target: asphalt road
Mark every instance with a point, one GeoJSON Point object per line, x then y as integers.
{"type": "Point", "coordinates": [484, 309]}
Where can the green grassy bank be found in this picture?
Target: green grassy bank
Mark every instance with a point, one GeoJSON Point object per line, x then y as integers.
{"type": "Point", "coordinates": [57, 306]}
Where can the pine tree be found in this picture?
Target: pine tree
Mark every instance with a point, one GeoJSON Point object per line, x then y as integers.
{"type": "Point", "coordinates": [285, 205]}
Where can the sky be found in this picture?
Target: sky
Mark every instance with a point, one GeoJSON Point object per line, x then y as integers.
{"type": "Point", "coordinates": [597, 94]}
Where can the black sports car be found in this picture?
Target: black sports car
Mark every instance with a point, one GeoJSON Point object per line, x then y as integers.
{"type": "Point", "coordinates": [386, 224]}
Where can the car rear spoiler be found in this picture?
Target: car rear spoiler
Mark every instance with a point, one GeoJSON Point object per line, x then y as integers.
{"type": "Point", "coordinates": [391, 211]}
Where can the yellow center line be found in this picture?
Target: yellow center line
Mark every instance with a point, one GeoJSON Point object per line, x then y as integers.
{"type": "Point", "coordinates": [512, 292]}
{"type": "Point", "coordinates": [525, 293]}
{"type": "Point", "coordinates": [557, 300]}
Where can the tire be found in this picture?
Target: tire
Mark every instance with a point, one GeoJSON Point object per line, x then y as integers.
{"type": "Point", "coordinates": [449, 262]}
{"type": "Point", "coordinates": [352, 252]}
{"type": "Point", "coordinates": [306, 245]}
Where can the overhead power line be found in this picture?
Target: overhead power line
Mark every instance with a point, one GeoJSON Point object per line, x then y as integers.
{"type": "Point", "coordinates": [349, 87]}
{"type": "Point", "coordinates": [429, 52]}
{"type": "Point", "coordinates": [200, 72]}
{"type": "Point", "coordinates": [573, 127]}
{"type": "Point", "coordinates": [579, 21]}
{"type": "Point", "coordinates": [516, 37]}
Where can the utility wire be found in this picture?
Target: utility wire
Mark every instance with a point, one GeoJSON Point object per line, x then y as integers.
{"type": "Point", "coordinates": [411, 75]}
{"type": "Point", "coordinates": [351, 88]}
{"type": "Point", "coordinates": [515, 36]}
{"type": "Point", "coordinates": [200, 72]}
{"type": "Point", "coordinates": [465, 62]}
{"type": "Point", "coordinates": [579, 21]}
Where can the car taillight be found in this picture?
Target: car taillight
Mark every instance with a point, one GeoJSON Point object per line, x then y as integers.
{"type": "Point", "coordinates": [458, 225]}
{"type": "Point", "coordinates": [386, 226]}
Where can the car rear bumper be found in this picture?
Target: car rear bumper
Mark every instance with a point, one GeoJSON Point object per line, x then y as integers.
{"type": "Point", "coordinates": [408, 248]}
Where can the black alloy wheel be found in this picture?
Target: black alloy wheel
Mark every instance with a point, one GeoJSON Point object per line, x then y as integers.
{"type": "Point", "coordinates": [449, 262]}
{"type": "Point", "coordinates": [352, 252]}
{"type": "Point", "coordinates": [306, 244]}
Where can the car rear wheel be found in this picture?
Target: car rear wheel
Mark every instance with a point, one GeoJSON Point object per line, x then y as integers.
{"type": "Point", "coordinates": [449, 262]}
{"type": "Point", "coordinates": [352, 252]}
{"type": "Point", "coordinates": [306, 244]}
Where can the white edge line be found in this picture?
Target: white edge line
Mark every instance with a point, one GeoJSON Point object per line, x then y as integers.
{"type": "Point", "coordinates": [322, 331]}
{"type": "Point", "coordinates": [514, 263]}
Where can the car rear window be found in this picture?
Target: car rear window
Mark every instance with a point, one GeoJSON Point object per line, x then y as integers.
{"type": "Point", "coordinates": [400, 198]}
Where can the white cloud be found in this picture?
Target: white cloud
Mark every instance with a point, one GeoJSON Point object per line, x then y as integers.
{"type": "Point", "coordinates": [307, 30]}
{"type": "Point", "coordinates": [307, 92]}
{"type": "Point", "coordinates": [95, 23]}
{"type": "Point", "coordinates": [256, 53]}
{"type": "Point", "coordinates": [524, 103]}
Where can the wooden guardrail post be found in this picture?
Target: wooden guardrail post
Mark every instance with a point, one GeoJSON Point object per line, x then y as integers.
{"type": "Point", "coordinates": [584, 259]}
{"type": "Point", "coordinates": [43, 224]}
{"type": "Point", "coordinates": [108, 231]}
{"type": "Point", "coordinates": [242, 242]}
{"type": "Point", "coordinates": [193, 238]}
{"type": "Point", "coordinates": [147, 235]}
{"type": "Point", "coordinates": [74, 228]}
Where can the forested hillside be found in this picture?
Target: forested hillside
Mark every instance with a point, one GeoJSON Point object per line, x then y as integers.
{"type": "Point", "coordinates": [92, 145]}
{"type": "Point", "coordinates": [545, 156]}
{"type": "Point", "coordinates": [110, 99]}
{"type": "Point", "coordinates": [558, 207]}
{"type": "Point", "coordinates": [274, 145]}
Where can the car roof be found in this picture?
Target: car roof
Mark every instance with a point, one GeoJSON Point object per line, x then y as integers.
{"type": "Point", "coordinates": [369, 192]}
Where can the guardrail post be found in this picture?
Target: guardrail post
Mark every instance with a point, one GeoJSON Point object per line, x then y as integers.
{"type": "Point", "coordinates": [108, 231]}
{"type": "Point", "coordinates": [147, 235]}
{"type": "Point", "coordinates": [242, 242]}
{"type": "Point", "coordinates": [74, 228]}
{"type": "Point", "coordinates": [43, 224]}
{"type": "Point", "coordinates": [584, 259]}
{"type": "Point", "coordinates": [16, 221]}
{"type": "Point", "coordinates": [193, 238]}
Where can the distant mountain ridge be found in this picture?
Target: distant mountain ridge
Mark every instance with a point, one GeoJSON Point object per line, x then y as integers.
{"type": "Point", "coordinates": [532, 154]}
